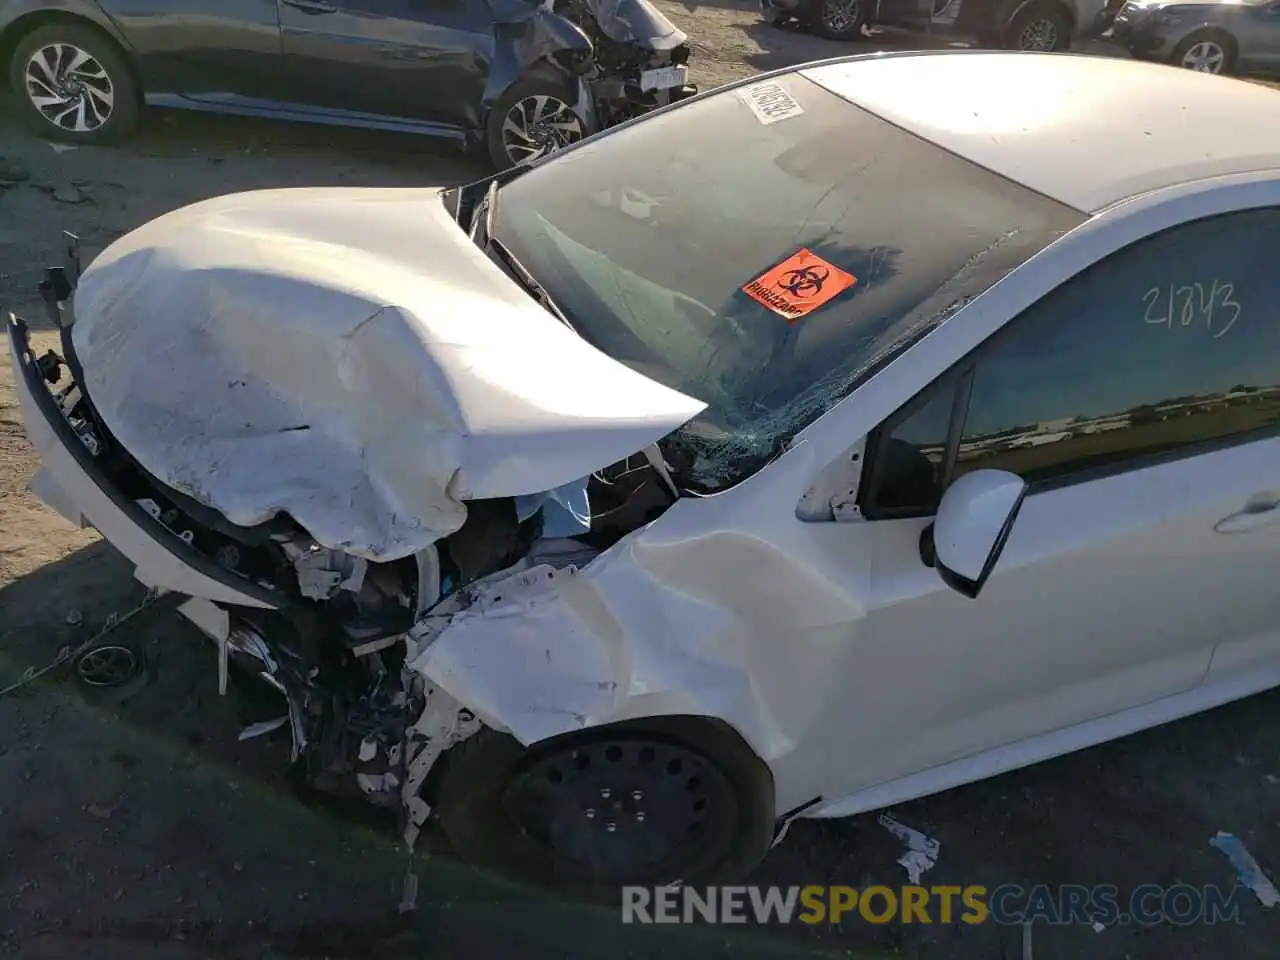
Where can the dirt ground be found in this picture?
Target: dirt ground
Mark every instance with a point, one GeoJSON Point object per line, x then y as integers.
{"type": "Point", "coordinates": [149, 832]}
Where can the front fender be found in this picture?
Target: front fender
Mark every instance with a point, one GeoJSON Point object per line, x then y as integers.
{"type": "Point", "coordinates": [693, 615]}
{"type": "Point", "coordinates": [14, 14]}
{"type": "Point", "coordinates": [542, 37]}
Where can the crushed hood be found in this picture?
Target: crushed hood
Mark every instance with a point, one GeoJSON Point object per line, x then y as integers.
{"type": "Point", "coordinates": [636, 21]}
{"type": "Point", "coordinates": [346, 355]}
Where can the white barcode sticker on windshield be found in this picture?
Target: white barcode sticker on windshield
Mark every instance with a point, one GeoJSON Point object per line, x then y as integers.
{"type": "Point", "coordinates": [769, 102]}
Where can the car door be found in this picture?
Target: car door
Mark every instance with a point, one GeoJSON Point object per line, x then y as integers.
{"type": "Point", "coordinates": [1259, 37]}
{"type": "Point", "coordinates": [198, 47]}
{"type": "Point", "coordinates": [416, 59]}
{"type": "Point", "coordinates": [1141, 402]}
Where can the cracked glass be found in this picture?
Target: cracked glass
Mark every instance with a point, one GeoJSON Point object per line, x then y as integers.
{"type": "Point", "coordinates": [658, 240]}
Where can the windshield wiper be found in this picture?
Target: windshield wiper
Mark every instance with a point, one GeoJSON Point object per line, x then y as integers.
{"type": "Point", "coordinates": [482, 216]}
{"type": "Point", "coordinates": [527, 279]}
{"type": "Point", "coordinates": [481, 231]}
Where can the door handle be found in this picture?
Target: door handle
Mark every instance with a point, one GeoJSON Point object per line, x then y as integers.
{"type": "Point", "coordinates": [312, 6]}
{"type": "Point", "coordinates": [1254, 516]}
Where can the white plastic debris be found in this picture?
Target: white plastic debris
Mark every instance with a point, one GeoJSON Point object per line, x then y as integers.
{"type": "Point", "coordinates": [409, 895]}
{"type": "Point", "coordinates": [1247, 868]}
{"type": "Point", "coordinates": [262, 728]}
{"type": "Point", "coordinates": [921, 853]}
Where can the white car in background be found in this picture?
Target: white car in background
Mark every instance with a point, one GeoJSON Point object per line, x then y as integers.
{"type": "Point", "coordinates": [612, 534]}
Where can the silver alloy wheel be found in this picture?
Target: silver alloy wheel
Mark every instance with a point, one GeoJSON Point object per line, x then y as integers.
{"type": "Point", "coordinates": [538, 125]}
{"type": "Point", "coordinates": [839, 15]}
{"type": "Point", "coordinates": [1205, 56]}
{"type": "Point", "coordinates": [69, 87]}
{"type": "Point", "coordinates": [1041, 34]}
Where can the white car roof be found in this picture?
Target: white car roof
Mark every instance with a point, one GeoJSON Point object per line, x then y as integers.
{"type": "Point", "coordinates": [1086, 131]}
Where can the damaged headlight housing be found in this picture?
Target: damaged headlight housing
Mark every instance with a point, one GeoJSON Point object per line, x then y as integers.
{"type": "Point", "coordinates": [575, 61]}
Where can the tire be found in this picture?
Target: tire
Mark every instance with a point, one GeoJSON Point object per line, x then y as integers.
{"type": "Point", "coordinates": [538, 102]}
{"type": "Point", "coordinates": [588, 813]}
{"type": "Point", "coordinates": [1208, 47]}
{"type": "Point", "coordinates": [837, 19]}
{"type": "Point", "coordinates": [100, 106]}
{"type": "Point", "coordinates": [1045, 27]}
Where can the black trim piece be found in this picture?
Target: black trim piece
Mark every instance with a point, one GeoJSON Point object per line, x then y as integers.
{"type": "Point", "coordinates": [955, 428]}
{"type": "Point", "coordinates": [782, 822]}
{"type": "Point", "coordinates": [928, 547]}
{"type": "Point", "coordinates": [873, 466]}
{"type": "Point", "coordinates": [181, 551]}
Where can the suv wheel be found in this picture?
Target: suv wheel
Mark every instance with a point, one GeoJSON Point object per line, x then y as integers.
{"type": "Point", "coordinates": [1206, 52]}
{"type": "Point", "coordinates": [1041, 27]}
{"type": "Point", "coordinates": [838, 19]}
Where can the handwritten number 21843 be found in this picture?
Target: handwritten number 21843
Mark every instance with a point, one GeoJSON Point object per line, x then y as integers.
{"type": "Point", "coordinates": [1214, 302]}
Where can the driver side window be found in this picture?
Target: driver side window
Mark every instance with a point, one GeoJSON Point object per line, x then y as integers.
{"type": "Point", "coordinates": [1169, 347]}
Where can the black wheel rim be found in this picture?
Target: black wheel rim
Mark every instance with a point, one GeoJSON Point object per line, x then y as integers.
{"type": "Point", "coordinates": [618, 811]}
{"type": "Point", "coordinates": [107, 666]}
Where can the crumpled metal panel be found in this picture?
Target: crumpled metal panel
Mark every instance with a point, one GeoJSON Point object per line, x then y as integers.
{"type": "Point", "coordinates": [708, 611]}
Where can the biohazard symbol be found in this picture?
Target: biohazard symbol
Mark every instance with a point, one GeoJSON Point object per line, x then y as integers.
{"type": "Point", "coordinates": [800, 284]}
{"type": "Point", "coordinates": [805, 281]}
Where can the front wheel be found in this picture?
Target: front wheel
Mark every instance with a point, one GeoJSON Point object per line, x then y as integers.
{"type": "Point", "coordinates": [1041, 27]}
{"type": "Point", "coordinates": [633, 804]}
{"type": "Point", "coordinates": [73, 84]}
{"type": "Point", "coordinates": [534, 117]}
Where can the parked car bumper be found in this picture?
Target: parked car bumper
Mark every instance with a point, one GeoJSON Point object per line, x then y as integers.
{"type": "Point", "coordinates": [1141, 35]}
{"type": "Point", "coordinates": [775, 8]}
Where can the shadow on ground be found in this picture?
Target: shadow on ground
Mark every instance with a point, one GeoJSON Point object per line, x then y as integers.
{"type": "Point", "coordinates": [148, 830]}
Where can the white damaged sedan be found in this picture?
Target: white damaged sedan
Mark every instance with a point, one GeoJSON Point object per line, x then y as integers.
{"type": "Point", "coordinates": [824, 441]}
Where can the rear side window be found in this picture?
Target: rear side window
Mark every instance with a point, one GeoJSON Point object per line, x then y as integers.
{"type": "Point", "coordinates": [1170, 345]}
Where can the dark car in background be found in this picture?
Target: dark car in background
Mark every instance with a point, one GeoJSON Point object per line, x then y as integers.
{"type": "Point", "coordinates": [519, 78]}
{"type": "Point", "coordinates": [1011, 24]}
{"type": "Point", "coordinates": [1217, 36]}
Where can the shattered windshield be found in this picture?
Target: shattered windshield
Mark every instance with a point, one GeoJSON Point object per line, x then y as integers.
{"type": "Point", "coordinates": [762, 250]}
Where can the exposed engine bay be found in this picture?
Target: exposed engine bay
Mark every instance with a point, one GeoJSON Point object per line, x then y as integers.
{"type": "Point", "coordinates": [329, 654]}
{"type": "Point", "coordinates": [633, 42]}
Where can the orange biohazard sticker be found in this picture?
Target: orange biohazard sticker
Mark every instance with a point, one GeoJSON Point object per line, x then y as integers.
{"type": "Point", "coordinates": [799, 285]}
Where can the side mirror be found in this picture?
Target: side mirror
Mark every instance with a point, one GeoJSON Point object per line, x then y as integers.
{"type": "Point", "coordinates": [973, 523]}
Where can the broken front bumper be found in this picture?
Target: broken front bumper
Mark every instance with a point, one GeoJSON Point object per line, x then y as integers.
{"type": "Point", "coordinates": [73, 483]}
{"type": "Point", "coordinates": [628, 93]}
